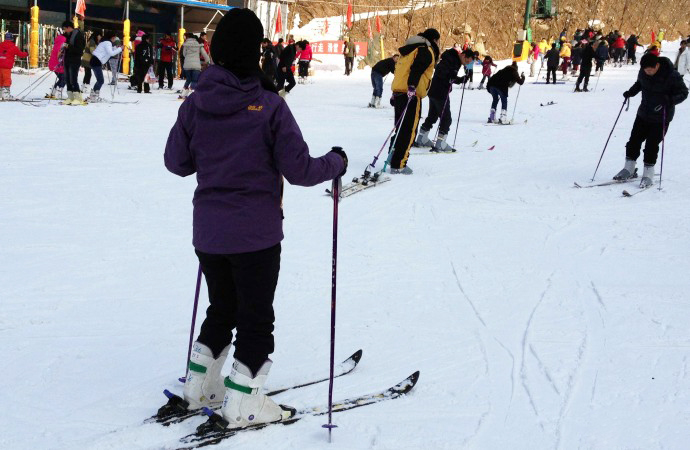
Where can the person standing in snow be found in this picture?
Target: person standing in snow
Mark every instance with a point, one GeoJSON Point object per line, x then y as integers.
{"type": "Point", "coordinates": [662, 89]}
{"type": "Point", "coordinates": [487, 64]}
{"type": "Point", "coordinates": [380, 70]}
{"type": "Point", "coordinates": [565, 54]}
{"type": "Point", "coordinates": [56, 65]}
{"type": "Point", "coordinates": [602, 52]}
{"type": "Point", "coordinates": [552, 59]}
{"type": "Point", "coordinates": [684, 63]}
{"type": "Point", "coordinates": [469, 69]}
{"type": "Point", "coordinates": [94, 40]}
{"type": "Point", "coordinates": [143, 58]}
{"type": "Point", "coordinates": [588, 55]}
{"type": "Point", "coordinates": [349, 52]}
{"type": "Point", "coordinates": [102, 54]}
{"type": "Point", "coordinates": [445, 75]}
{"type": "Point", "coordinates": [631, 45]}
{"type": "Point", "coordinates": [411, 84]}
{"type": "Point", "coordinates": [534, 54]}
{"type": "Point", "coordinates": [168, 48]}
{"type": "Point", "coordinates": [193, 52]}
{"type": "Point", "coordinates": [618, 47]}
{"type": "Point", "coordinates": [8, 51]}
{"type": "Point", "coordinates": [268, 60]}
{"type": "Point", "coordinates": [577, 57]}
{"type": "Point", "coordinates": [287, 56]}
{"type": "Point", "coordinates": [237, 227]}
{"type": "Point", "coordinates": [303, 56]}
{"type": "Point", "coordinates": [498, 87]}
{"type": "Point", "coordinates": [73, 53]}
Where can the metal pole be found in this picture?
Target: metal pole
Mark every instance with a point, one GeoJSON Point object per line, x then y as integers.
{"type": "Point", "coordinates": [627, 100]}
{"type": "Point", "coordinates": [457, 124]}
{"type": "Point", "coordinates": [191, 331]}
{"type": "Point", "coordinates": [663, 141]}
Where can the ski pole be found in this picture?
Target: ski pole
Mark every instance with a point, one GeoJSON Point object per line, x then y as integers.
{"type": "Point", "coordinates": [597, 83]}
{"type": "Point", "coordinates": [627, 100]}
{"type": "Point", "coordinates": [334, 267]}
{"type": "Point", "coordinates": [539, 73]}
{"type": "Point", "coordinates": [191, 331]}
{"type": "Point", "coordinates": [457, 123]}
{"type": "Point", "coordinates": [663, 140]}
{"type": "Point", "coordinates": [376, 158]}
{"type": "Point", "coordinates": [33, 85]}
{"type": "Point", "coordinates": [515, 106]}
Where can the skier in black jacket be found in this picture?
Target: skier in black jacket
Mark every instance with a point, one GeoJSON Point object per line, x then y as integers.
{"type": "Point", "coordinates": [287, 57]}
{"type": "Point", "coordinates": [662, 88]}
{"type": "Point", "coordinates": [378, 72]}
{"type": "Point", "coordinates": [588, 55]}
{"type": "Point", "coordinates": [631, 44]}
{"type": "Point", "coordinates": [445, 75]}
{"type": "Point", "coordinates": [498, 86]}
{"type": "Point", "coordinates": [73, 53]}
{"type": "Point", "coordinates": [268, 59]}
{"type": "Point", "coordinates": [552, 57]}
{"type": "Point", "coordinates": [143, 60]}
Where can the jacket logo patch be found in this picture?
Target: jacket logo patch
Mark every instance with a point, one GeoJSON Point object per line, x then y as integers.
{"type": "Point", "coordinates": [255, 107]}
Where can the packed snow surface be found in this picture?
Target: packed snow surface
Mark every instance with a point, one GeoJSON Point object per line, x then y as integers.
{"type": "Point", "coordinates": [540, 315]}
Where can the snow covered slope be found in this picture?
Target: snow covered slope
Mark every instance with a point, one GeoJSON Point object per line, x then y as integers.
{"type": "Point", "coordinates": [540, 316]}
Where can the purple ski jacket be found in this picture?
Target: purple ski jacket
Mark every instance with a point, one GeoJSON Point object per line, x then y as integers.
{"type": "Point", "coordinates": [240, 140]}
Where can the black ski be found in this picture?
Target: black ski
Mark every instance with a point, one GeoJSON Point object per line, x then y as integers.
{"type": "Point", "coordinates": [213, 430]}
{"type": "Point", "coordinates": [547, 104]}
{"type": "Point", "coordinates": [175, 410]}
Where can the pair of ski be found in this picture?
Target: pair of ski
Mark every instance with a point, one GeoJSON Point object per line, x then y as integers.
{"type": "Point", "coordinates": [625, 193]}
{"type": "Point", "coordinates": [215, 429]}
{"type": "Point", "coordinates": [358, 184]}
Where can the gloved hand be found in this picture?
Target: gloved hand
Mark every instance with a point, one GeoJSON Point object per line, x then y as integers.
{"type": "Point", "coordinates": [459, 80]}
{"type": "Point", "coordinates": [411, 91]}
{"type": "Point", "coordinates": [339, 151]}
{"type": "Point", "coordinates": [626, 94]}
{"type": "Point", "coordinates": [392, 100]}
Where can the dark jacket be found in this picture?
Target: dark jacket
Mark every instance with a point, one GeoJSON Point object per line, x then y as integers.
{"type": "Point", "coordinates": [577, 56]}
{"type": "Point", "coordinates": [350, 49]}
{"type": "Point", "coordinates": [287, 57]}
{"type": "Point", "coordinates": [143, 55]}
{"type": "Point", "coordinates": [602, 52]}
{"type": "Point", "coordinates": [269, 60]}
{"type": "Point", "coordinates": [240, 140]}
{"type": "Point", "coordinates": [415, 66]}
{"type": "Point", "coordinates": [587, 57]}
{"type": "Point", "coordinates": [75, 47]}
{"type": "Point", "coordinates": [552, 58]}
{"type": "Point", "coordinates": [666, 89]}
{"type": "Point", "coordinates": [632, 43]}
{"type": "Point", "coordinates": [505, 79]}
{"type": "Point", "coordinates": [445, 74]}
{"type": "Point", "coordinates": [384, 67]}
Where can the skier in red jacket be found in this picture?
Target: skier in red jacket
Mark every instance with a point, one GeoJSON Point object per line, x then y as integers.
{"type": "Point", "coordinates": [8, 51]}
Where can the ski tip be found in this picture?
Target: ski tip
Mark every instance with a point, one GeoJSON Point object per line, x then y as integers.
{"type": "Point", "coordinates": [208, 411]}
{"type": "Point", "coordinates": [627, 194]}
{"type": "Point", "coordinates": [414, 377]}
{"type": "Point", "coordinates": [492, 147]}
{"type": "Point", "coordinates": [329, 426]}
{"type": "Point", "coordinates": [168, 394]}
{"type": "Point", "coordinates": [575, 185]}
{"type": "Point", "coordinates": [356, 356]}
{"type": "Point", "coordinates": [182, 380]}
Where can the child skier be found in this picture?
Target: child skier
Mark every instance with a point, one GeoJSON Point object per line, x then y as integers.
{"type": "Point", "coordinates": [56, 64]}
{"type": "Point", "coordinates": [241, 140]}
{"type": "Point", "coordinates": [486, 69]}
{"type": "Point", "coordinates": [498, 86]}
{"type": "Point", "coordinates": [8, 51]}
{"type": "Point", "coordinates": [662, 88]}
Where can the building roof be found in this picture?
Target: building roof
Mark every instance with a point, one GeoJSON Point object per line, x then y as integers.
{"type": "Point", "coordinates": [222, 5]}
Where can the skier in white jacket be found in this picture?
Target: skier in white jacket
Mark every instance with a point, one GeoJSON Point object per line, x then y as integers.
{"type": "Point", "coordinates": [684, 63]}
{"type": "Point", "coordinates": [100, 56]}
{"type": "Point", "coordinates": [192, 51]}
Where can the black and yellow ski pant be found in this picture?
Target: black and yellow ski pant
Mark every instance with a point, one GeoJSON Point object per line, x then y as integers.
{"type": "Point", "coordinates": [407, 129]}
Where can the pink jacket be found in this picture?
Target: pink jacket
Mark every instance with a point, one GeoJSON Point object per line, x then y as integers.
{"type": "Point", "coordinates": [54, 55]}
{"type": "Point", "coordinates": [535, 52]}
{"type": "Point", "coordinates": [305, 55]}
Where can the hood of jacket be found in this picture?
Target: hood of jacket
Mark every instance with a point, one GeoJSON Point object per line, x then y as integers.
{"type": "Point", "coordinates": [220, 92]}
{"type": "Point", "coordinates": [415, 42]}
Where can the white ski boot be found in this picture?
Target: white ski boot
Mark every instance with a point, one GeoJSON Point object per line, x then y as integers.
{"type": "Point", "coordinates": [372, 103]}
{"type": "Point", "coordinates": [77, 99]}
{"type": "Point", "coordinates": [441, 146]}
{"type": "Point", "coordinates": [283, 93]}
{"type": "Point", "coordinates": [204, 384]}
{"type": "Point", "coordinates": [8, 95]}
{"type": "Point", "coordinates": [627, 171]}
{"type": "Point", "coordinates": [2, 94]}
{"type": "Point", "coordinates": [70, 98]}
{"type": "Point", "coordinates": [244, 403]}
{"type": "Point", "coordinates": [504, 117]}
{"type": "Point", "coordinates": [94, 97]}
{"type": "Point", "coordinates": [423, 139]}
{"type": "Point", "coordinates": [378, 102]}
{"type": "Point", "coordinates": [647, 176]}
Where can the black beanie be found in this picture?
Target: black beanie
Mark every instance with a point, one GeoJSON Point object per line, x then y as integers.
{"type": "Point", "coordinates": [431, 34]}
{"type": "Point", "coordinates": [236, 43]}
{"type": "Point", "coordinates": [649, 60]}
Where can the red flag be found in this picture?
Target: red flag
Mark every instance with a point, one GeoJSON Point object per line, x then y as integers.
{"type": "Point", "coordinates": [653, 37]}
{"type": "Point", "coordinates": [349, 14]}
{"type": "Point", "coordinates": [378, 24]}
{"type": "Point", "coordinates": [279, 21]}
{"type": "Point", "coordinates": [80, 8]}
{"type": "Point", "coordinates": [371, 35]}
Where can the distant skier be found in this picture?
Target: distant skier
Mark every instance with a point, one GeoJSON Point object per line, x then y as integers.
{"type": "Point", "coordinates": [684, 63]}
{"type": "Point", "coordinates": [618, 47]}
{"type": "Point", "coordinates": [143, 60]}
{"type": "Point", "coordinates": [445, 75]}
{"type": "Point", "coordinates": [565, 54]}
{"type": "Point", "coordinates": [552, 59]}
{"type": "Point", "coordinates": [534, 56]}
{"type": "Point", "coordinates": [102, 54]}
{"type": "Point", "coordinates": [380, 70]}
{"type": "Point", "coordinates": [469, 70]}
{"type": "Point", "coordinates": [268, 59]}
{"type": "Point", "coordinates": [168, 48]}
{"type": "Point", "coordinates": [487, 64]}
{"type": "Point", "coordinates": [193, 53]}
{"type": "Point", "coordinates": [577, 57]}
{"type": "Point", "coordinates": [498, 87]}
{"type": "Point", "coordinates": [287, 57]}
{"type": "Point", "coordinates": [662, 88]}
{"type": "Point", "coordinates": [588, 55]}
{"type": "Point", "coordinates": [8, 51]}
{"type": "Point", "coordinates": [72, 60]}
{"type": "Point", "coordinates": [602, 52]}
{"type": "Point", "coordinates": [241, 140]}
{"type": "Point", "coordinates": [413, 75]}
{"type": "Point", "coordinates": [304, 56]}
{"type": "Point", "coordinates": [57, 66]}
{"type": "Point", "coordinates": [349, 52]}
{"type": "Point", "coordinates": [631, 45]}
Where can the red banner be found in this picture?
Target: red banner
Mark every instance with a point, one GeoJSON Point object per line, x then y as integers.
{"type": "Point", "coordinates": [336, 48]}
{"type": "Point", "coordinates": [279, 21]}
{"type": "Point", "coordinates": [349, 14]}
{"type": "Point", "coordinates": [378, 24]}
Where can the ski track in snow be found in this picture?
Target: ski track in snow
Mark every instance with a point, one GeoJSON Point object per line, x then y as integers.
{"type": "Point", "coordinates": [540, 316]}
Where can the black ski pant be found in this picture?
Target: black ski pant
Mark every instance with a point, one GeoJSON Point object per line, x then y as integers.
{"type": "Point", "coordinates": [241, 288]}
{"type": "Point", "coordinates": [585, 72]}
{"type": "Point", "coordinates": [349, 63]}
{"type": "Point", "coordinates": [438, 107]}
{"type": "Point", "coordinates": [71, 76]}
{"type": "Point", "coordinates": [651, 134]}
{"type": "Point", "coordinates": [87, 73]}
{"type": "Point", "coordinates": [407, 129]}
{"type": "Point", "coordinates": [551, 71]}
{"type": "Point", "coordinates": [282, 77]}
{"type": "Point", "coordinates": [140, 77]}
{"type": "Point", "coordinates": [165, 68]}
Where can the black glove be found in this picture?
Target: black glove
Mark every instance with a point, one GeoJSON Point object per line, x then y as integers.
{"type": "Point", "coordinates": [339, 151]}
{"type": "Point", "coordinates": [626, 94]}
{"type": "Point", "coordinates": [459, 80]}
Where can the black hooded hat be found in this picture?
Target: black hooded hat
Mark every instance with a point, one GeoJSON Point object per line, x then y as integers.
{"type": "Point", "coordinates": [236, 43]}
{"type": "Point", "coordinates": [431, 35]}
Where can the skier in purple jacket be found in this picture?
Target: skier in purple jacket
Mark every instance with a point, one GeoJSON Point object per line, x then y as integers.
{"type": "Point", "coordinates": [241, 140]}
